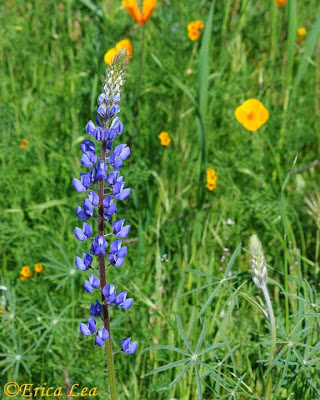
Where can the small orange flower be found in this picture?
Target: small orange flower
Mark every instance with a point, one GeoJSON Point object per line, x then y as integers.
{"type": "Point", "coordinates": [302, 31]}
{"type": "Point", "coordinates": [123, 44]}
{"type": "Point", "coordinates": [25, 273]}
{"type": "Point", "coordinates": [147, 8]}
{"type": "Point", "coordinates": [194, 29]}
{"type": "Point", "coordinates": [212, 178]}
{"type": "Point", "coordinates": [164, 139]}
{"type": "Point", "coordinates": [38, 268]}
{"type": "Point", "coordinates": [252, 114]}
{"type": "Point", "coordinates": [281, 3]}
{"type": "Point", "coordinates": [24, 144]}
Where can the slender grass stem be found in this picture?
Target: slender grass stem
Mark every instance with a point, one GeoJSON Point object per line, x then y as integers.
{"type": "Point", "coordinates": [136, 109]}
{"type": "Point", "coordinates": [272, 322]}
{"type": "Point", "coordinates": [102, 271]}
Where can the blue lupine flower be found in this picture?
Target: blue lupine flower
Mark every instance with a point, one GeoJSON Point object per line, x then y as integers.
{"type": "Point", "coordinates": [96, 309]}
{"type": "Point", "coordinates": [94, 198]}
{"type": "Point", "coordinates": [88, 159]}
{"type": "Point", "coordinates": [101, 170]}
{"type": "Point", "coordinates": [119, 230]}
{"type": "Point", "coordinates": [98, 133]}
{"type": "Point", "coordinates": [127, 347]}
{"type": "Point", "coordinates": [114, 177]}
{"type": "Point", "coordinates": [106, 128]}
{"type": "Point", "coordinates": [84, 263]}
{"type": "Point", "coordinates": [123, 302]}
{"type": "Point", "coordinates": [86, 211]}
{"type": "Point", "coordinates": [116, 126]}
{"type": "Point", "coordinates": [83, 184]}
{"type": "Point", "coordinates": [90, 127]}
{"type": "Point", "coordinates": [91, 284]}
{"type": "Point", "coordinates": [117, 253]}
{"type": "Point", "coordinates": [119, 192]}
{"type": "Point", "coordinates": [109, 207]}
{"type": "Point", "coordinates": [120, 153]}
{"type": "Point", "coordinates": [102, 110]}
{"type": "Point", "coordinates": [87, 145]}
{"type": "Point", "coordinates": [84, 233]}
{"type": "Point", "coordinates": [90, 328]}
{"type": "Point", "coordinates": [102, 336]}
{"type": "Point", "coordinates": [99, 246]}
{"type": "Point", "coordinates": [109, 292]}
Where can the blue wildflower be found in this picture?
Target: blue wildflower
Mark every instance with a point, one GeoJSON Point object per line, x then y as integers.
{"type": "Point", "coordinates": [120, 153]}
{"type": "Point", "coordinates": [91, 284]}
{"type": "Point", "coordinates": [87, 145]}
{"type": "Point", "coordinates": [90, 328]}
{"type": "Point", "coordinates": [99, 246]}
{"type": "Point", "coordinates": [127, 347]}
{"type": "Point", "coordinates": [101, 170]}
{"type": "Point", "coordinates": [109, 207]}
{"type": "Point", "coordinates": [84, 233]}
{"type": "Point", "coordinates": [119, 230]}
{"type": "Point", "coordinates": [117, 253]}
{"type": "Point", "coordinates": [102, 336]}
{"type": "Point", "coordinates": [96, 309]}
{"type": "Point", "coordinates": [83, 263]}
{"type": "Point", "coordinates": [119, 192]}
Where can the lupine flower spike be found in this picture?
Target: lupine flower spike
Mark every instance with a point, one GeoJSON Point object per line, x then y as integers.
{"type": "Point", "coordinates": [260, 277]}
{"type": "Point", "coordinates": [103, 171]}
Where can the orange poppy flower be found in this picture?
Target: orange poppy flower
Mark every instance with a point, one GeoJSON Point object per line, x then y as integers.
{"type": "Point", "coordinates": [281, 3]}
{"type": "Point", "coordinates": [252, 114]}
{"type": "Point", "coordinates": [123, 44]}
{"type": "Point", "coordinates": [147, 8]}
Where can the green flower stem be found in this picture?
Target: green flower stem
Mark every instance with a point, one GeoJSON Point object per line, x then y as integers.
{"type": "Point", "coordinates": [102, 271]}
{"type": "Point", "coordinates": [272, 322]}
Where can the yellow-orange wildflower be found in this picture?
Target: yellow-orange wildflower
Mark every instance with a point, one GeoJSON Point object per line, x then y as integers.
{"type": "Point", "coordinates": [194, 29]}
{"type": "Point", "coordinates": [123, 44]}
{"type": "Point", "coordinates": [38, 268]}
{"type": "Point", "coordinates": [147, 8]}
{"type": "Point", "coordinates": [25, 273]}
{"type": "Point", "coordinates": [281, 3]}
{"type": "Point", "coordinates": [24, 144]}
{"type": "Point", "coordinates": [302, 31]}
{"type": "Point", "coordinates": [164, 139]}
{"type": "Point", "coordinates": [252, 114]}
{"type": "Point", "coordinates": [212, 178]}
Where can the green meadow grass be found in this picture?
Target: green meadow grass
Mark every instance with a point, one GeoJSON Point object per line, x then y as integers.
{"type": "Point", "coordinates": [191, 299]}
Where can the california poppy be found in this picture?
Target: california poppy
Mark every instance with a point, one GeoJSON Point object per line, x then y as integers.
{"type": "Point", "coordinates": [132, 7]}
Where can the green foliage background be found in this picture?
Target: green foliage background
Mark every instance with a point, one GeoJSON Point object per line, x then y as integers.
{"type": "Point", "coordinates": [51, 73]}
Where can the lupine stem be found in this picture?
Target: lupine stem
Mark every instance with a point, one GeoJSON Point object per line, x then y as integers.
{"type": "Point", "coordinates": [102, 271]}
{"type": "Point", "coordinates": [272, 322]}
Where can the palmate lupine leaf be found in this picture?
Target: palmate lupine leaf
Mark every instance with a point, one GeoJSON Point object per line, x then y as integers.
{"type": "Point", "coordinates": [191, 361]}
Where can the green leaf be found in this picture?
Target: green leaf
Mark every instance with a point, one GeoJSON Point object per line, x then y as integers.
{"type": "Point", "coordinates": [168, 366]}
{"type": "Point", "coordinates": [164, 347]}
{"type": "Point", "coordinates": [183, 335]}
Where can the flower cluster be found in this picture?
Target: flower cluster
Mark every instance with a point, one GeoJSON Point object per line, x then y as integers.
{"type": "Point", "coordinates": [26, 272]}
{"type": "Point", "coordinates": [103, 202]}
{"type": "Point", "coordinates": [147, 8]}
{"type": "Point", "coordinates": [212, 178]}
{"type": "Point", "coordinates": [195, 29]}
{"type": "Point", "coordinates": [24, 144]}
{"type": "Point", "coordinates": [252, 114]}
{"type": "Point", "coordinates": [123, 44]}
{"type": "Point", "coordinates": [164, 139]}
